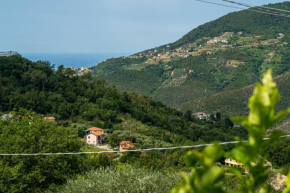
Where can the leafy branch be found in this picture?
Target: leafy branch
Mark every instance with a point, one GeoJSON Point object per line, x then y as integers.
{"type": "Point", "coordinates": [261, 118]}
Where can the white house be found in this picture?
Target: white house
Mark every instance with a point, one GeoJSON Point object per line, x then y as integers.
{"type": "Point", "coordinates": [280, 35]}
{"type": "Point", "coordinates": [201, 115]}
{"type": "Point", "coordinates": [95, 136]}
{"type": "Point", "coordinates": [7, 116]}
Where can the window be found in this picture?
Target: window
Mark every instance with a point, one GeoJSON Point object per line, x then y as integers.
{"type": "Point", "coordinates": [89, 137]}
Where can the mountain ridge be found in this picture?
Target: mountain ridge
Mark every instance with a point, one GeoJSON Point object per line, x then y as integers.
{"type": "Point", "coordinates": [216, 58]}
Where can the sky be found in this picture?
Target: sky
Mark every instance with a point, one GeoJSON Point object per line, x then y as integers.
{"type": "Point", "coordinates": [101, 26]}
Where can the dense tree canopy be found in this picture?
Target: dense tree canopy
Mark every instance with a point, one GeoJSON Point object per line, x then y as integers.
{"type": "Point", "coordinates": [34, 173]}
{"type": "Point", "coordinates": [37, 86]}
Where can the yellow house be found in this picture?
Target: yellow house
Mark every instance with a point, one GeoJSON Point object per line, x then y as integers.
{"type": "Point", "coordinates": [232, 162]}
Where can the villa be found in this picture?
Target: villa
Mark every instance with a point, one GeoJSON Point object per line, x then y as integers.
{"type": "Point", "coordinates": [126, 145]}
{"type": "Point", "coordinates": [95, 136]}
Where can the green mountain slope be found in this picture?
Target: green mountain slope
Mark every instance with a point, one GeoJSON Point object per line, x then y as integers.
{"type": "Point", "coordinates": [73, 99]}
{"type": "Point", "coordinates": [218, 57]}
{"type": "Point", "coordinates": [30, 90]}
{"type": "Point", "coordinates": [247, 21]}
{"type": "Point", "coordinates": [234, 102]}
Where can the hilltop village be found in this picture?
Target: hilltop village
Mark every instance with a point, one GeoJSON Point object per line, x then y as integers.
{"type": "Point", "coordinates": [209, 46]}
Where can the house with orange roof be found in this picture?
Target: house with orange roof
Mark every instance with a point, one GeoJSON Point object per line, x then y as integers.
{"type": "Point", "coordinates": [52, 119]}
{"type": "Point", "coordinates": [201, 115]}
{"type": "Point", "coordinates": [94, 129]}
{"type": "Point", "coordinates": [95, 136]}
{"type": "Point", "coordinates": [125, 145]}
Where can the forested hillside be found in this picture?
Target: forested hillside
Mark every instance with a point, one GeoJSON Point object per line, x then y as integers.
{"type": "Point", "coordinates": [212, 62]}
{"type": "Point", "coordinates": [31, 90]}
{"type": "Point", "coordinates": [66, 96]}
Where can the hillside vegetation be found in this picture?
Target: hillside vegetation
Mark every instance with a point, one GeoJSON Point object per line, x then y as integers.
{"type": "Point", "coordinates": [213, 62]}
{"type": "Point", "coordinates": [32, 90]}
{"type": "Point", "coordinates": [110, 180]}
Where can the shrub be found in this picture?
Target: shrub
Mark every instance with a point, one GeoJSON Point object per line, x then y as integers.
{"type": "Point", "coordinates": [110, 180]}
{"type": "Point", "coordinates": [35, 173]}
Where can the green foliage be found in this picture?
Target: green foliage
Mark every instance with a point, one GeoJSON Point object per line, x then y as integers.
{"type": "Point", "coordinates": [203, 179]}
{"type": "Point", "coordinates": [144, 81]}
{"type": "Point", "coordinates": [99, 160]}
{"type": "Point", "coordinates": [82, 101]}
{"type": "Point", "coordinates": [261, 118]}
{"type": "Point", "coordinates": [110, 180]}
{"type": "Point", "coordinates": [79, 98]}
{"type": "Point", "coordinates": [279, 153]}
{"type": "Point", "coordinates": [115, 64]}
{"type": "Point", "coordinates": [287, 190]}
{"type": "Point", "coordinates": [35, 173]}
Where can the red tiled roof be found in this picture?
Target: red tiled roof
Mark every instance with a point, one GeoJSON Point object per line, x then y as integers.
{"type": "Point", "coordinates": [98, 133]}
{"type": "Point", "coordinates": [48, 118]}
{"type": "Point", "coordinates": [125, 142]}
{"type": "Point", "coordinates": [95, 129]}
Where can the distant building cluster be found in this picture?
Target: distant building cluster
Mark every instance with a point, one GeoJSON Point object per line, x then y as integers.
{"type": "Point", "coordinates": [201, 116]}
{"type": "Point", "coordinates": [6, 54]}
{"type": "Point", "coordinates": [217, 40]}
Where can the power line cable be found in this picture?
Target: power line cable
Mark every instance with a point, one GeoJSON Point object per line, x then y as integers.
{"type": "Point", "coordinates": [260, 8]}
{"type": "Point", "coordinates": [209, 2]}
{"type": "Point", "coordinates": [254, 6]}
{"type": "Point", "coordinates": [251, 9]}
{"type": "Point", "coordinates": [131, 150]}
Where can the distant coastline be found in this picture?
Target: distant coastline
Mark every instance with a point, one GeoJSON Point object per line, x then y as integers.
{"type": "Point", "coordinates": [74, 60]}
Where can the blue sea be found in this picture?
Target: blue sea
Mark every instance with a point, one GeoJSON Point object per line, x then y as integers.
{"type": "Point", "coordinates": [72, 60]}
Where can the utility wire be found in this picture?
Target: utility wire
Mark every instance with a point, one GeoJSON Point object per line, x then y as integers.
{"type": "Point", "coordinates": [251, 9]}
{"type": "Point", "coordinates": [209, 2]}
{"type": "Point", "coordinates": [131, 150]}
{"type": "Point", "coordinates": [261, 8]}
{"type": "Point", "coordinates": [254, 6]}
